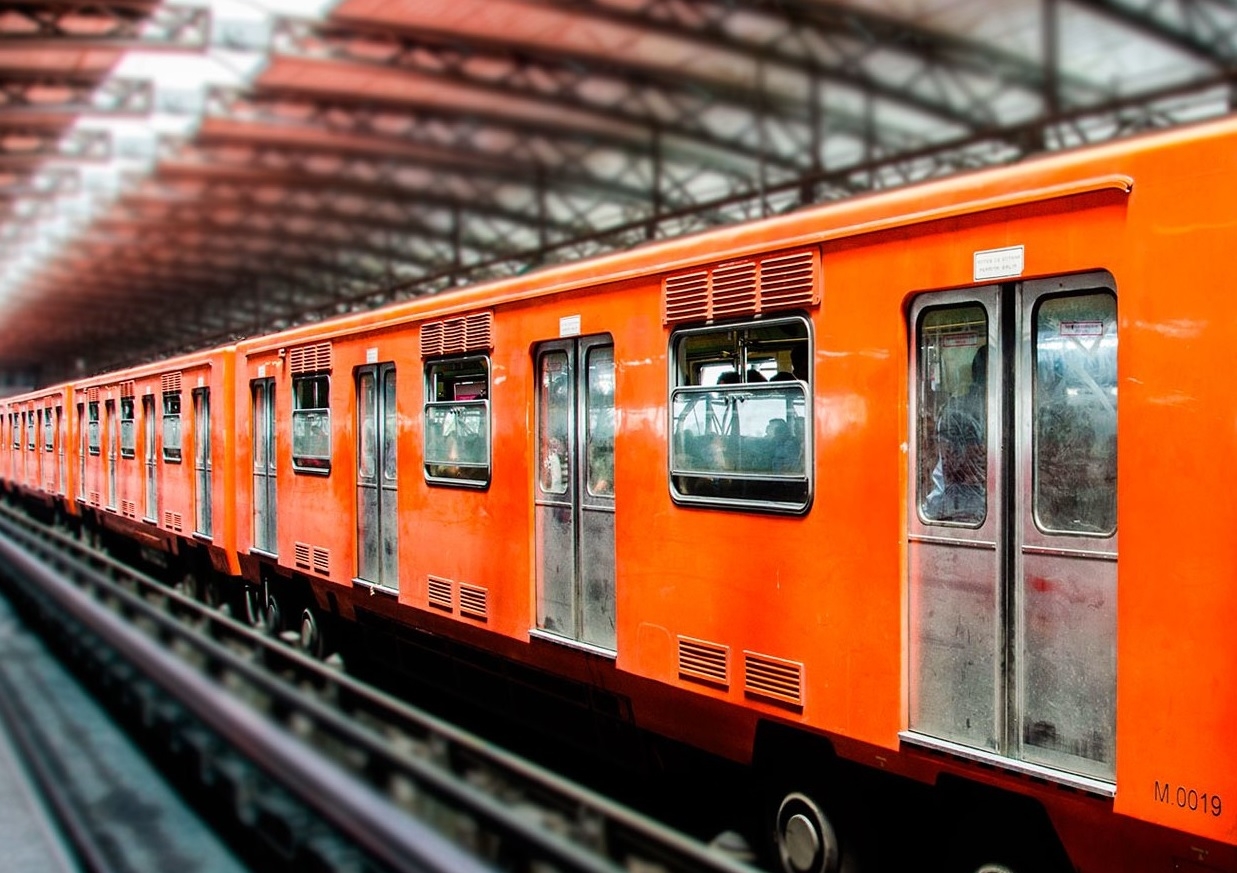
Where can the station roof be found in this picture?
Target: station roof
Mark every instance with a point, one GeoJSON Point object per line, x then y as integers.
{"type": "Point", "coordinates": [178, 175]}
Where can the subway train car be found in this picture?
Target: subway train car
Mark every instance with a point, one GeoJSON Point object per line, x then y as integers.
{"type": "Point", "coordinates": [835, 494]}
{"type": "Point", "coordinates": [35, 434]}
{"type": "Point", "coordinates": [154, 459]}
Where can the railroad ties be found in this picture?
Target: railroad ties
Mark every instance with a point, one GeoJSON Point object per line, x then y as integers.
{"type": "Point", "coordinates": [330, 773]}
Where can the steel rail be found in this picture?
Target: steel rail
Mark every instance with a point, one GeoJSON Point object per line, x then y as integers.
{"type": "Point", "coordinates": [373, 735]}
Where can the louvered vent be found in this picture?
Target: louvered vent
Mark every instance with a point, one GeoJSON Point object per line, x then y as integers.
{"type": "Point", "coordinates": [747, 287]}
{"type": "Point", "coordinates": [92, 395]}
{"type": "Point", "coordinates": [128, 508]}
{"type": "Point", "coordinates": [300, 554]}
{"type": "Point", "coordinates": [169, 383]}
{"type": "Point", "coordinates": [322, 561]}
{"type": "Point", "coordinates": [469, 333]}
{"type": "Point", "coordinates": [704, 661]}
{"type": "Point", "coordinates": [313, 358]}
{"type": "Point", "coordinates": [126, 389]}
{"type": "Point", "coordinates": [774, 678]}
{"type": "Point", "coordinates": [94, 498]}
{"type": "Point", "coordinates": [440, 595]}
{"type": "Point", "coordinates": [474, 601]}
{"type": "Point", "coordinates": [173, 521]}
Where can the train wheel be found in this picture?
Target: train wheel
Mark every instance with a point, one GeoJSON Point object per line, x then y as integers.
{"type": "Point", "coordinates": [274, 615]}
{"type": "Point", "coordinates": [806, 840]}
{"type": "Point", "coordinates": [312, 639]}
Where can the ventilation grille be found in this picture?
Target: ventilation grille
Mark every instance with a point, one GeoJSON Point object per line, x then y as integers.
{"type": "Point", "coordinates": [469, 333]}
{"type": "Point", "coordinates": [474, 602]}
{"type": "Point", "coordinates": [774, 678]}
{"type": "Point", "coordinates": [440, 593]}
{"type": "Point", "coordinates": [703, 661]}
{"type": "Point", "coordinates": [322, 561]}
{"type": "Point", "coordinates": [314, 358]}
{"type": "Point", "coordinates": [300, 553]}
{"type": "Point", "coordinates": [169, 383]}
{"type": "Point", "coordinates": [739, 288]}
{"type": "Point", "coordinates": [94, 498]}
{"type": "Point", "coordinates": [128, 508]}
{"type": "Point", "coordinates": [127, 389]}
{"type": "Point", "coordinates": [92, 395]}
{"type": "Point", "coordinates": [173, 521]}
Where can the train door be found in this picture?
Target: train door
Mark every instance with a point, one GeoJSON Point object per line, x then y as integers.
{"type": "Point", "coordinates": [202, 461]}
{"type": "Point", "coordinates": [112, 443]}
{"type": "Point", "coordinates": [151, 509]}
{"type": "Point", "coordinates": [38, 455]}
{"type": "Point", "coordinates": [61, 457]}
{"type": "Point", "coordinates": [1012, 525]}
{"type": "Point", "coordinates": [377, 467]}
{"type": "Point", "coordinates": [264, 457]}
{"type": "Point", "coordinates": [81, 451]}
{"type": "Point", "coordinates": [49, 450]}
{"type": "Point", "coordinates": [574, 490]}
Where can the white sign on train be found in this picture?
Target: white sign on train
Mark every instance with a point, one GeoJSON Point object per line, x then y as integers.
{"type": "Point", "coordinates": [999, 263]}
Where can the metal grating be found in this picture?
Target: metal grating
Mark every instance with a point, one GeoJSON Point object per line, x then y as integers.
{"type": "Point", "coordinates": [322, 560]}
{"type": "Point", "coordinates": [474, 602]}
{"type": "Point", "coordinates": [92, 395]}
{"type": "Point", "coordinates": [127, 389]}
{"type": "Point", "coordinates": [313, 358]}
{"type": "Point", "coordinates": [441, 595]}
{"type": "Point", "coordinates": [453, 336]}
{"type": "Point", "coordinates": [128, 508]}
{"type": "Point", "coordinates": [704, 661]}
{"type": "Point", "coordinates": [300, 552]}
{"type": "Point", "coordinates": [173, 521]}
{"type": "Point", "coordinates": [775, 678]}
{"type": "Point", "coordinates": [739, 288]}
{"type": "Point", "coordinates": [169, 383]}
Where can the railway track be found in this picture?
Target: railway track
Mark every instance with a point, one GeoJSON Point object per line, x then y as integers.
{"type": "Point", "coordinates": [330, 772]}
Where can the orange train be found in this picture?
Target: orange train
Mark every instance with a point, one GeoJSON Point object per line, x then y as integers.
{"type": "Point", "coordinates": [834, 493]}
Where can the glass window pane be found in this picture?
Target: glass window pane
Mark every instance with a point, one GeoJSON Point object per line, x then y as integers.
{"type": "Point", "coordinates": [554, 423]}
{"type": "Point", "coordinates": [311, 438]}
{"type": "Point", "coordinates": [600, 421]}
{"type": "Point", "coordinates": [457, 440]}
{"type": "Point", "coordinates": [952, 468]}
{"type": "Point", "coordinates": [739, 426]}
{"type": "Point", "coordinates": [367, 447]}
{"type": "Point", "coordinates": [457, 420]}
{"type": "Point", "coordinates": [390, 428]}
{"type": "Point", "coordinates": [1075, 414]}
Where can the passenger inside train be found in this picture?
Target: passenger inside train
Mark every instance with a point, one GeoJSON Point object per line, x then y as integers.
{"type": "Point", "coordinates": [960, 475]}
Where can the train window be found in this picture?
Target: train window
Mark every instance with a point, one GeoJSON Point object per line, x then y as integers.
{"type": "Point", "coordinates": [171, 426]}
{"type": "Point", "coordinates": [457, 421]}
{"type": "Point", "coordinates": [1074, 408]}
{"type": "Point", "coordinates": [92, 426]}
{"type": "Point", "coordinates": [740, 416]}
{"type": "Point", "coordinates": [311, 423]}
{"type": "Point", "coordinates": [49, 433]}
{"type": "Point", "coordinates": [30, 430]}
{"type": "Point", "coordinates": [13, 429]}
{"type": "Point", "coordinates": [127, 429]}
{"type": "Point", "coordinates": [953, 415]}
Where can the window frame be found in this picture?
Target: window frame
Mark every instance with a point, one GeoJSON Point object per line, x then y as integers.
{"type": "Point", "coordinates": [785, 492]}
{"type": "Point", "coordinates": [49, 445]}
{"type": "Point", "coordinates": [172, 454]}
{"type": "Point", "coordinates": [311, 464]}
{"type": "Point", "coordinates": [433, 372]}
